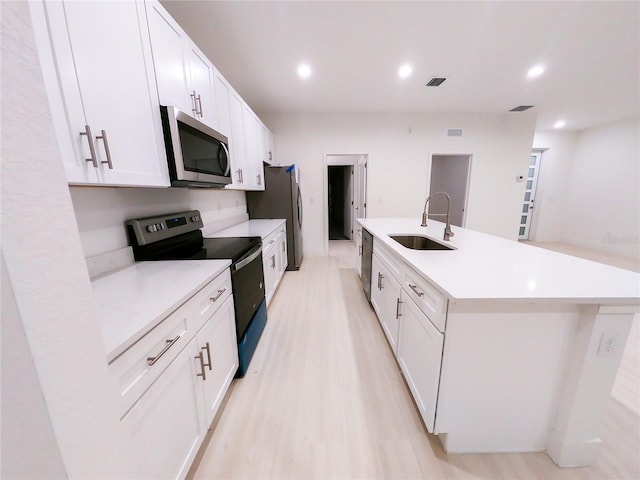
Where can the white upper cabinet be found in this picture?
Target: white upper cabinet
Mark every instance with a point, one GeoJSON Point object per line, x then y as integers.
{"type": "Point", "coordinates": [252, 138]}
{"type": "Point", "coordinates": [96, 62]}
{"type": "Point", "coordinates": [223, 108]}
{"type": "Point", "coordinates": [183, 72]}
{"type": "Point", "coordinates": [237, 147]}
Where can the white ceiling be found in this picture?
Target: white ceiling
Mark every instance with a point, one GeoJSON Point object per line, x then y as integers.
{"type": "Point", "coordinates": [591, 51]}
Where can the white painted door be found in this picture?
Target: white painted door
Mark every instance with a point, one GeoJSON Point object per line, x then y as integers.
{"type": "Point", "coordinates": [529, 196]}
{"type": "Point", "coordinates": [201, 87]}
{"type": "Point", "coordinates": [237, 147]}
{"type": "Point", "coordinates": [218, 345]}
{"type": "Point", "coordinates": [420, 355]}
{"type": "Point", "coordinates": [168, 44]}
{"type": "Point", "coordinates": [167, 423]}
{"type": "Point", "coordinates": [223, 109]}
{"type": "Point", "coordinates": [361, 188]}
{"type": "Point", "coordinates": [116, 90]}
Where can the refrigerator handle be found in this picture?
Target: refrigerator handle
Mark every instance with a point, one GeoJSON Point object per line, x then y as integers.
{"type": "Point", "coordinates": [299, 202]}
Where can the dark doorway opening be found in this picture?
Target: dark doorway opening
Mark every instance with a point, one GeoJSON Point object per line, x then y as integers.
{"type": "Point", "coordinates": [340, 201]}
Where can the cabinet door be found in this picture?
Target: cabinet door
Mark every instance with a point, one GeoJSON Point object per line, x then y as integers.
{"type": "Point", "coordinates": [167, 423]}
{"type": "Point", "coordinates": [269, 265]}
{"type": "Point", "coordinates": [168, 44]}
{"type": "Point", "coordinates": [217, 341]}
{"type": "Point", "coordinates": [117, 91]}
{"type": "Point", "coordinates": [271, 156]}
{"type": "Point", "coordinates": [201, 86]}
{"type": "Point", "coordinates": [359, 250]}
{"type": "Point", "coordinates": [377, 295]}
{"type": "Point", "coordinates": [237, 147]}
{"type": "Point", "coordinates": [420, 356]}
{"type": "Point", "coordinates": [281, 245]}
{"type": "Point", "coordinates": [222, 93]}
{"type": "Point", "coordinates": [255, 169]}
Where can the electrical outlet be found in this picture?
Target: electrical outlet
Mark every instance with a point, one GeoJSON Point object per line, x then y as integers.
{"type": "Point", "coordinates": [608, 344]}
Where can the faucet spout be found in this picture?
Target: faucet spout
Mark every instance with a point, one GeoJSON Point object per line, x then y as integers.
{"type": "Point", "coordinates": [447, 229]}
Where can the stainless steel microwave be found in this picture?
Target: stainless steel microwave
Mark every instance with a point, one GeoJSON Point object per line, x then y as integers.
{"type": "Point", "coordinates": [198, 156]}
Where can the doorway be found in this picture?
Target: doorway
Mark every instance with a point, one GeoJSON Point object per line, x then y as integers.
{"type": "Point", "coordinates": [346, 190]}
{"type": "Point", "coordinates": [340, 201]}
{"type": "Point", "coordinates": [450, 174]}
{"type": "Point", "coordinates": [529, 196]}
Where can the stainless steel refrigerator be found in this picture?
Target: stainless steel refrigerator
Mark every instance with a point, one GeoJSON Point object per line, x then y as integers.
{"type": "Point", "coordinates": [281, 199]}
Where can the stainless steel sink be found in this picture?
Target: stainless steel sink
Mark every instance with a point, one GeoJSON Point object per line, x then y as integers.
{"type": "Point", "coordinates": [418, 242]}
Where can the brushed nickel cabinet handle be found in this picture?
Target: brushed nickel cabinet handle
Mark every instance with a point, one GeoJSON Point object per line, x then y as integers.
{"type": "Point", "coordinates": [273, 261]}
{"type": "Point", "coordinates": [398, 303]}
{"type": "Point", "coordinates": [92, 148]}
{"type": "Point", "coordinates": [194, 107]}
{"type": "Point", "coordinates": [152, 360]}
{"type": "Point", "coordinates": [259, 178]}
{"type": "Point", "coordinates": [199, 102]}
{"type": "Point", "coordinates": [360, 250]}
{"type": "Point", "coordinates": [416, 291]}
{"type": "Point", "coordinates": [379, 275]}
{"type": "Point", "coordinates": [208, 364]}
{"type": "Point", "coordinates": [103, 137]}
{"type": "Point", "coordinates": [202, 366]}
{"type": "Point", "coordinates": [220, 292]}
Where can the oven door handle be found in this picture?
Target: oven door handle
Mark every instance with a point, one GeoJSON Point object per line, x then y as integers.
{"type": "Point", "coordinates": [248, 259]}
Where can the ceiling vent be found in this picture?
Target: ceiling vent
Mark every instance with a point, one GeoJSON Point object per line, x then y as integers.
{"type": "Point", "coordinates": [454, 132]}
{"type": "Point", "coordinates": [435, 82]}
{"type": "Point", "coordinates": [521, 108]}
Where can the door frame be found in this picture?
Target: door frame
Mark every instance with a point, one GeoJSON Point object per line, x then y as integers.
{"type": "Point", "coordinates": [466, 192]}
{"type": "Point", "coordinates": [348, 159]}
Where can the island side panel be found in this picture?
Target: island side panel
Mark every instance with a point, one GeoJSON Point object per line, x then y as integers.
{"type": "Point", "coordinates": [502, 372]}
{"type": "Point", "coordinates": [602, 333]}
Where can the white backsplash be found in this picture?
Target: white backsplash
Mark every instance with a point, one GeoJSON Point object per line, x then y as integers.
{"type": "Point", "coordinates": [102, 211]}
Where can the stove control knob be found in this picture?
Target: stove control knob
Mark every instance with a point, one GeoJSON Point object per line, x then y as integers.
{"type": "Point", "coordinates": [151, 228]}
{"type": "Point", "coordinates": [195, 218]}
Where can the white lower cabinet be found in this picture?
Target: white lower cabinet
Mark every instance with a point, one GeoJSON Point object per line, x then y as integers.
{"type": "Point", "coordinates": [274, 260]}
{"type": "Point", "coordinates": [167, 423]}
{"type": "Point", "coordinates": [174, 379]}
{"type": "Point", "coordinates": [385, 298]}
{"type": "Point", "coordinates": [217, 342]}
{"type": "Point", "coordinates": [420, 356]}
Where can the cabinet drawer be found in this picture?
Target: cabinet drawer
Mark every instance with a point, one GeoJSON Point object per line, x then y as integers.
{"type": "Point", "coordinates": [208, 300]}
{"type": "Point", "coordinates": [389, 259]}
{"type": "Point", "coordinates": [137, 368]}
{"type": "Point", "coordinates": [270, 240]}
{"type": "Point", "coordinates": [427, 298]}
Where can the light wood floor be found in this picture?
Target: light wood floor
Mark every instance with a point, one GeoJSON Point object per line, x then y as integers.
{"type": "Point", "coordinates": [324, 398]}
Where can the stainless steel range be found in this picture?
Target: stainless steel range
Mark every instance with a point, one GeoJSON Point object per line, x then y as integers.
{"type": "Point", "coordinates": [178, 236]}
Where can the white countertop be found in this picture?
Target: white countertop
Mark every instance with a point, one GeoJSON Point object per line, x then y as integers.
{"type": "Point", "coordinates": [131, 301]}
{"type": "Point", "coordinates": [484, 267]}
{"type": "Point", "coordinates": [250, 228]}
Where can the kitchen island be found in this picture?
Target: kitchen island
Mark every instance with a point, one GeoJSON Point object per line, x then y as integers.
{"type": "Point", "coordinates": [505, 347]}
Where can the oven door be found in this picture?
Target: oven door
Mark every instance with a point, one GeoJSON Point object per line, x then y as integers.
{"type": "Point", "coordinates": [198, 156]}
{"type": "Point", "coordinates": [247, 277]}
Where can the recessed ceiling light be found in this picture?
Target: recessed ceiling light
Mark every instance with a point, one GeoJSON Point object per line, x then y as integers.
{"type": "Point", "coordinates": [559, 124]}
{"type": "Point", "coordinates": [405, 70]}
{"type": "Point", "coordinates": [535, 71]}
{"type": "Point", "coordinates": [304, 70]}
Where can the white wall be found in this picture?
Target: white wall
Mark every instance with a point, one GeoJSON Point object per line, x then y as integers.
{"type": "Point", "coordinates": [596, 184]}
{"type": "Point", "coordinates": [47, 272]}
{"type": "Point", "coordinates": [102, 211]}
{"type": "Point", "coordinates": [400, 148]}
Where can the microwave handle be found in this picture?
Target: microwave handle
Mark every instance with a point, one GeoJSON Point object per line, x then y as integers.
{"type": "Point", "coordinates": [226, 173]}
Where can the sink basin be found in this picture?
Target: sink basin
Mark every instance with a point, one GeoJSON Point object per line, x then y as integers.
{"type": "Point", "coordinates": [418, 242]}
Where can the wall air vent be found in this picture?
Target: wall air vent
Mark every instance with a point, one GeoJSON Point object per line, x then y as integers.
{"type": "Point", "coordinates": [521, 108]}
{"type": "Point", "coordinates": [454, 132]}
{"type": "Point", "coordinates": [435, 82]}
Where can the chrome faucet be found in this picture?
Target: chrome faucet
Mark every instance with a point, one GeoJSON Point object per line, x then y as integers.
{"type": "Point", "coordinates": [447, 229]}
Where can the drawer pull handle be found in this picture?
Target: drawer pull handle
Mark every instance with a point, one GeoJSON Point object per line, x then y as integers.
{"type": "Point", "coordinates": [220, 292]}
{"type": "Point", "coordinates": [208, 364]}
{"type": "Point", "coordinates": [152, 360]}
{"type": "Point", "coordinates": [415, 289]}
{"type": "Point", "coordinates": [398, 314]}
{"type": "Point", "coordinates": [202, 365]}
